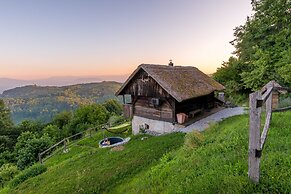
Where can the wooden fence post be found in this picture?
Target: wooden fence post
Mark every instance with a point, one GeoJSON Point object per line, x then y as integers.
{"type": "Point", "coordinates": [254, 136]}
{"type": "Point", "coordinates": [39, 158]}
{"type": "Point", "coordinates": [65, 145]}
{"type": "Point", "coordinates": [269, 103]}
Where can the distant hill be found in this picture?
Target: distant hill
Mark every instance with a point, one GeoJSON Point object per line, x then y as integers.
{"type": "Point", "coordinates": [8, 83]}
{"type": "Point", "coordinates": [43, 102]}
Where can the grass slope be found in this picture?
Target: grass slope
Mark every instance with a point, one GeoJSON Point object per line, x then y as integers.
{"type": "Point", "coordinates": [220, 163]}
{"type": "Point", "coordinates": [89, 169]}
{"type": "Point", "coordinates": [215, 161]}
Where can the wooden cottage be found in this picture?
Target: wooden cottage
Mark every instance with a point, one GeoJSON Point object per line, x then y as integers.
{"type": "Point", "coordinates": [161, 95]}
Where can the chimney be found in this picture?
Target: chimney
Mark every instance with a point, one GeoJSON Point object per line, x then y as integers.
{"type": "Point", "coordinates": [171, 63]}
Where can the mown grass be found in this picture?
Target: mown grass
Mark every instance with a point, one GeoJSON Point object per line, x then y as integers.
{"type": "Point", "coordinates": [215, 161]}
{"type": "Point", "coordinates": [89, 169]}
{"type": "Point", "coordinates": [220, 163]}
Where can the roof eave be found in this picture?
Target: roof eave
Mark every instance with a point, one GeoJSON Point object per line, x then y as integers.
{"type": "Point", "coordinates": [127, 81]}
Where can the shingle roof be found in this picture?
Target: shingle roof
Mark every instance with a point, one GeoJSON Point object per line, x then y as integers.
{"type": "Point", "coordinates": [181, 82]}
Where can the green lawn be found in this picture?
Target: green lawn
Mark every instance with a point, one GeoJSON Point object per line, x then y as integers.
{"type": "Point", "coordinates": [220, 163]}
{"type": "Point", "coordinates": [89, 169]}
{"type": "Point", "coordinates": [212, 162]}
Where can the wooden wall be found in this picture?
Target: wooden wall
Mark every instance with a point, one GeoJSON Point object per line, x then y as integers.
{"type": "Point", "coordinates": [127, 110]}
{"type": "Point", "coordinates": [144, 85]}
{"type": "Point", "coordinates": [144, 108]}
{"type": "Point", "coordinates": [275, 100]}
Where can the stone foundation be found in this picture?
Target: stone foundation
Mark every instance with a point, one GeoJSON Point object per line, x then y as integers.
{"type": "Point", "coordinates": [151, 125]}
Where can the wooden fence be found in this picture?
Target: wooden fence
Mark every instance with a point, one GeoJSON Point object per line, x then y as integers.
{"type": "Point", "coordinates": [64, 144]}
{"type": "Point", "coordinates": [257, 140]}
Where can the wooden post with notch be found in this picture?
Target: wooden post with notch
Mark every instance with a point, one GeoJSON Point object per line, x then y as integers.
{"type": "Point", "coordinates": [254, 136]}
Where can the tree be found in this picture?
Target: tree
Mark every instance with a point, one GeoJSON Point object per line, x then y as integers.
{"type": "Point", "coordinates": [8, 134]}
{"type": "Point", "coordinates": [87, 116]}
{"type": "Point", "coordinates": [113, 106]}
{"type": "Point", "coordinates": [229, 75]}
{"type": "Point", "coordinates": [5, 143]}
{"type": "Point", "coordinates": [32, 126]}
{"type": "Point", "coordinates": [62, 119]}
{"type": "Point", "coordinates": [54, 132]}
{"type": "Point", "coordinates": [262, 45]}
{"type": "Point", "coordinates": [5, 119]}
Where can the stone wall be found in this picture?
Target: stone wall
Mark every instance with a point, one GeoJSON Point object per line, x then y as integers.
{"type": "Point", "coordinates": [151, 125]}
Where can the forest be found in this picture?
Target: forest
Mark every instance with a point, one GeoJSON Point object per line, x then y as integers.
{"type": "Point", "coordinates": [40, 103]}
{"type": "Point", "coordinates": [262, 50]}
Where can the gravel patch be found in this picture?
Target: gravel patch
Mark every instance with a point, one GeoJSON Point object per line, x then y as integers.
{"type": "Point", "coordinates": [216, 117]}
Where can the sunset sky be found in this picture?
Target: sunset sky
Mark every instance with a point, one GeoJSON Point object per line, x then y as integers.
{"type": "Point", "coordinates": [44, 38]}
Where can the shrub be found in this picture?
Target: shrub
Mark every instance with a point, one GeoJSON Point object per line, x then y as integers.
{"type": "Point", "coordinates": [28, 146]}
{"type": "Point", "coordinates": [7, 157]}
{"type": "Point", "coordinates": [193, 139]}
{"type": "Point", "coordinates": [53, 132]}
{"type": "Point", "coordinates": [87, 116]}
{"type": "Point", "coordinates": [28, 173]}
{"type": "Point", "coordinates": [113, 106]}
{"type": "Point", "coordinates": [284, 102]}
{"type": "Point", "coordinates": [115, 120]}
{"type": "Point", "coordinates": [7, 172]}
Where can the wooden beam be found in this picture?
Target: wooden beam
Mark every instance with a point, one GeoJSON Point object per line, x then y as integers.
{"type": "Point", "coordinates": [265, 130]}
{"type": "Point", "coordinates": [41, 160]}
{"type": "Point", "coordinates": [282, 89]}
{"type": "Point", "coordinates": [266, 95]}
{"type": "Point", "coordinates": [254, 137]}
{"type": "Point", "coordinates": [269, 103]}
{"type": "Point", "coordinates": [282, 109]}
{"type": "Point", "coordinates": [174, 111]}
{"type": "Point", "coordinates": [52, 147]}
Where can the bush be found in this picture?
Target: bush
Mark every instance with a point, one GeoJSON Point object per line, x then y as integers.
{"type": "Point", "coordinates": [53, 132]}
{"type": "Point", "coordinates": [28, 146]}
{"type": "Point", "coordinates": [285, 101]}
{"type": "Point", "coordinates": [28, 173]}
{"type": "Point", "coordinates": [7, 172]}
{"type": "Point", "coordinates": [62, 119]}
{"type": "Point", "coordinates": [86, 117]}
{"type": "Point", "coordinates": [7, 157]}
{"type": "Point", "coordinates": [113, 106]}
{"type": "Point", "coordinates": [115, 120]}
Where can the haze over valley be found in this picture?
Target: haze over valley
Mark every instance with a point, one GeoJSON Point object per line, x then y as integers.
{"type": "Point", "coordinates": [10, 83]}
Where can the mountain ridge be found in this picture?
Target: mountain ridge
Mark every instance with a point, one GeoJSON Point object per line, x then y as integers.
{"type": "Point", "coordinates": [10, 83]}
{"type": "Point", "coordinates": [42, 103]}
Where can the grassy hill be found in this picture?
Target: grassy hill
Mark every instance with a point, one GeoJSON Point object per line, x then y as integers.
{"type": "Point", "coordinates": [42, 103]}
{"type": "Point", "coordinates": [214, 161]}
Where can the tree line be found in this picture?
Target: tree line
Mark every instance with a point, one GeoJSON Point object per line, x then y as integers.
{"type": "Point", "coordinates": [262, 49]}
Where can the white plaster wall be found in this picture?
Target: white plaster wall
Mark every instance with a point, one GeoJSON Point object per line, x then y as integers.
{"type": "Point", "coordinates": [154, 125]}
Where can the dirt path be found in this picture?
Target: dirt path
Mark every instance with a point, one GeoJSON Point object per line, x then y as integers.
{"type": "Point", "coordinates": [214, 118]}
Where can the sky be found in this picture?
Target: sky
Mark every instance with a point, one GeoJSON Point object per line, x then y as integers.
{"type": "Point", "coordinates": [40, 39]}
